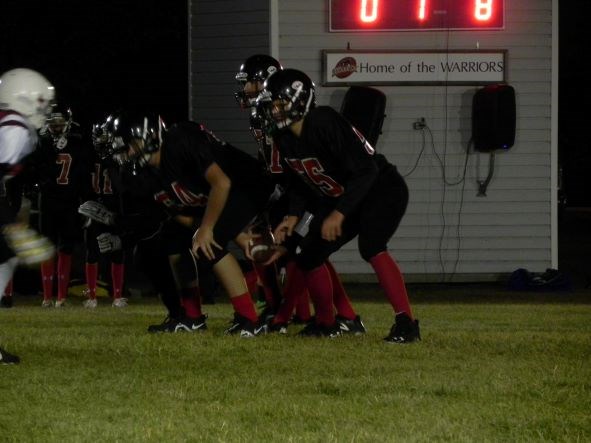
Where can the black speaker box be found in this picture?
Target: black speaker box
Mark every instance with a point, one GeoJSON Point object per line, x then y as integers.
{"type": "Point", "coordinates": [493, 118]}
{"type": "Point", "coordinates": [364, 107]}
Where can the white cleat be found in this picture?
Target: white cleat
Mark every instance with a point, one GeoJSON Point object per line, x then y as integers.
{"type": "Point", "coordinates": [60, 303]}
{"type": "Point", "coordinates": [91, 303]}
{"type": "Point", "coordinates": [47, 304]}
{"type": "Point", "coordinates": [120, 303]}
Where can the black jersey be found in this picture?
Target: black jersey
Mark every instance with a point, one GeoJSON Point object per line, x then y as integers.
{"type": "Point", "coordinates": [332, 158]}
{"type": "Point", "coordinates": [102, 183]}
{"type": "Point", "coordinates": [189, 149]}
{"type": "Point", "coordinates": [62, 167]}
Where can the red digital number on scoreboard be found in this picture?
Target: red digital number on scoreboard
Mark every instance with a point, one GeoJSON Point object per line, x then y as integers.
{"type": "Point", "coordinates": [412, 15]}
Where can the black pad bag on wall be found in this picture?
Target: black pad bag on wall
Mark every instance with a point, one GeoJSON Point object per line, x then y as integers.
{"type": "Point", "coordinates": [493, 118]}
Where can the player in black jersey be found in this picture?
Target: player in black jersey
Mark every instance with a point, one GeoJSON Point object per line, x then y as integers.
{"type": "Point", "coordinates": [251, 77]}
{"type": "Point", "coordinates": [61, 170]}
{"type": "Point", "coordinates": [358, 194]}
{"type": "Point", "coordinates": [25, 101]}
{"type": "Point", "coordinates": [216, 188]}
{"type": "Point", "coordinates": [103, 192]}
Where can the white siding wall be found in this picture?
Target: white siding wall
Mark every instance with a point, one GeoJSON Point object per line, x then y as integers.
{"type": "Point", "coordinates": [511, 226]}
{"type": "Point", "coordinates": [443, 236]}
{"type": "Point", "coordinates": [223, 33]}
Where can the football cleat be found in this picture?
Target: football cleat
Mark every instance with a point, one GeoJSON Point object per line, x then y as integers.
{"type": "Point", "coordinates": [168, 325]}
{"type": "Point", "coordinates": [191, 324]}
{"type": "Point", "coordinates": [47, 304]}
{"type": "Point", "coordinates": [120, 302]}
{"type": "Point", "coordinates": [7, 358]}
{"type": "Point", "coordinates": [6, 302]}
{"type": "Point", "coordinates": [313, 329]}
{"type": "Point", "coordinates": [91, 303]}
{"type": "Point", "coordinates": [241, 326]}
{"type": "Point", "coordinates": [353, 327]}
{"type": "Point", "coordinates": [60, 303]}
{"type": "Point", "coordinates": [404, 330]}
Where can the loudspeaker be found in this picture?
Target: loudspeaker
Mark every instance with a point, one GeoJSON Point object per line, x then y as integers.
{"type": "Point", "coordinates": [364, 107]}
{"type": "Point", "coordinates": [493, 118]}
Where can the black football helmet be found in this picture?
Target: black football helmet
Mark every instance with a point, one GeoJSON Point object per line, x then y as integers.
{"type": "Point", "coordinates": [286, 98]}
{"type": "Point", "coordinates": [58, 125]}
{"type": "Point", "coordinates": [134, 137]}
{"type": "Point", "coordinates": [256, 69]}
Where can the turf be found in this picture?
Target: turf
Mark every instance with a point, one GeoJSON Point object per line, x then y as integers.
{"type": "Point", "coordinates": [490, 368]}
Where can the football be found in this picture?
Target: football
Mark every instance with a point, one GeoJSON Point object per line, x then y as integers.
{"type": "Point", "coordinates": [262, 248]}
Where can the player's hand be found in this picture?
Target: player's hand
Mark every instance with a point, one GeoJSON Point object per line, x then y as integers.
{"type": "Point", "coordinates": [108, 243]}
{"type": "Point", "coordinates": [203, 241]}
{"type": "Point", "coordinates": [279, 252]}
{"type": "Point", "coordinates": [30, 247]}
{"type": "Point", "coordinates": [244, 241]}
{"type": "Point", "coordinates": [332, 226]}
{"type": "Point", "coordinates": [98, 212]}
{"type": "Point", "coordinates": [285, 228]}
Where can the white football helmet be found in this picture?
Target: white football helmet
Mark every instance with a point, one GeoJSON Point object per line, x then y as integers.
{"type": "Point", "coordinates": [28, 93]}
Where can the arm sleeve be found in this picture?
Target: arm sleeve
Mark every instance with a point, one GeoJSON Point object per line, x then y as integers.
{"type": "Point", "coordinates": [356, 162]}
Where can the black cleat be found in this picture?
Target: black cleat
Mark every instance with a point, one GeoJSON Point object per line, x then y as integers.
{"type": "Point", "coordinates": [404, 330]}
{"type": "Point", "coordinates": [241, 326]}
{"type": "Point", "coordinates": [187, 324]}
{"type": "Point", "coordinates": [353, 327]}
{"type": "Point", "coordinates": [168, 325]}
{"type": "Point", "coordinates": [315, 330]}
{"type": "Point", "coordinates": [8, 359]}
{"type": "Point", "coordinates": [6, 302]}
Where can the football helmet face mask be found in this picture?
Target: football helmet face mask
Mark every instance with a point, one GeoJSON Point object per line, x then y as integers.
{"type": "Point", "coordinates": [28, 93]}
{"type": "Point", "coordinates": [286, 98]}
{"type": "Point", "coordinates": [134, 137]}
{"type": "Point", "coordinates": [58, 126]}
{"type": "Point", "coordinates": [251, 76]}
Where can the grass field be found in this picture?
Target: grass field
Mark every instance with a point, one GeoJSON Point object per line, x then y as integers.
{"type": "Point", "coordinates": [490, 368]}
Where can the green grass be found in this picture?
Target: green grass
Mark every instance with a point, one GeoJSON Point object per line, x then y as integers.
{"type": "Point", "coordinates": [489, 369]}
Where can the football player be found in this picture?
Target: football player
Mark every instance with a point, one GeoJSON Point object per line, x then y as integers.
{"type": "Point", "coordinates": [104, 194]}
{"type": "Point", "coordinates": [215, 188]}
{"type": "Point", "coordinates": [251, 77]}
{"type": "Point", "coordinates": [25, 102]}
{"type": "Point", "coordinates": [358, 194]}
{"type": "Point", "coordinates": [61, 168]}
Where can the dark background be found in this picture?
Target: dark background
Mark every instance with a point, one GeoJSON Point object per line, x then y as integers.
{"type": "Point", "coordinates": [102, 55]}
{"type": "Point", "coordinates": [107, 54]}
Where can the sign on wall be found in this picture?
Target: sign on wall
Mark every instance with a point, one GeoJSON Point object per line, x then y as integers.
{"type": "Point", "coordinates": [413, 67]}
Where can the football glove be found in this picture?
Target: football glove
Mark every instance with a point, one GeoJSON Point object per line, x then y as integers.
{"type": "Point", "coordinates": [29, 246]}
{"type": "Point", "coordinates": [98, 212]}
{"type": "Point", "coordinates": [108, 243]}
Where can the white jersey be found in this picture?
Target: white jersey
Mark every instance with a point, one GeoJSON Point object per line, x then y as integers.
{"type": "Point", "coordinates": [17, 138]}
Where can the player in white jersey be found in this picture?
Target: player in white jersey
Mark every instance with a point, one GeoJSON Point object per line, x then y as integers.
{"type": "Point", "coordinates": [25, 101]}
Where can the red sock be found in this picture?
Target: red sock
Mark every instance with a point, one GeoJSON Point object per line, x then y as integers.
{"type": "Point", "coordinates": [8, 291]}
{"type": "Point", "coordinates": [64, 265]}
{"type": "Point", "coordinates": [244, 306]}
{"type": "Point", "coordinates": [302, 307]}
{"type": "Point", "coordinates": [320, 288]}
{"type": "Point", "coordinates": [91, 272]}
{"type": "Point", "coordinates": [295, 285]}
{"type": "Point", "coordinates": [47, 269]}
{"type": "Point", "coordinates": [266, 274]}
{"type": "Point", "coordinates": [191, 299]}
{"type": "Point", "coordinates": [392, 282]}
{"type": "Point", "coordinates": [251, 278]}
{"type": "Point", "coordinates": [341, 300]}
{"type": "Point", "coordinates": [117, 273]}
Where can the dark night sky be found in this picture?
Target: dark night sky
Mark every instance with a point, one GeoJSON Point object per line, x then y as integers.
{"type": "Point", "coordinates": [105, 54]}
{"type": "Point", "coordinates": [102, 55]}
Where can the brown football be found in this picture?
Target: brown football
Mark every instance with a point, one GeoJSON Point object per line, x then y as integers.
{"type": "Point", "coordinates": [262, 248]}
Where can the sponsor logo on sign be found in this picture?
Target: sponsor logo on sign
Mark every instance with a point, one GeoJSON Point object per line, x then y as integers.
{"type": "Point", "coordinates": [344, 67]}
